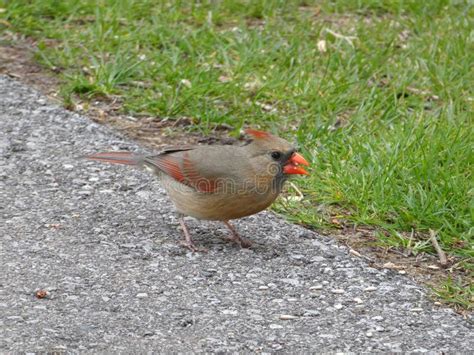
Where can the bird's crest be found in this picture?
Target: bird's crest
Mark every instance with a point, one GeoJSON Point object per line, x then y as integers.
{"type": "Point", "coordinates": [257, 134]}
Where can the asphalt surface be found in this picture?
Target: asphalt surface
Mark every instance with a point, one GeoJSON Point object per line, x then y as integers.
{"type": "Point", "coordinates": [102, 241]}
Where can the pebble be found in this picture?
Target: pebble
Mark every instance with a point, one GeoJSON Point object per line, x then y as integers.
{"type": "Point", "coordinates": [379, 328]}
{"type": "Point", "coordinates": [370, 289]}
{"type": "Point", "coordinates": [338, 291]}
{"type": "Point", "coordinates": [416, 309]}
{"type": "Point", "coordinates": [68, 167]}
{"type": "Point", "coordinates": [369, 334]}
{"type": "Point", "coordinates": [358, 300]}
{"type": "Point", "coordinates": [378, 318]}
{"type": "Point", "coordinates": [288, 317]}
{"type": "Point", "coordinates": [402, 272]}
{"type": "Point", "coordinates": [311, 313]}
{"type": "Point", "coordinates": [231, 312]}
{"type": "Point", "coordinates": [316, 287]}
{"type": "Point", "coordinates": [293, 282]}
{"type": "Point", "coordinates": [338, 306]}
{"type": "Point", "coordinates": [275, 326]}
{"type": "Point", "coordinates": [263, 288]}
{"type": "Point", "coordinates": [142, 295]}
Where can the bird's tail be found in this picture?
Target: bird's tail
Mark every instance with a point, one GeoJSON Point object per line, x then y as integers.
{"type": "Point", "coordinates": [125, 158]}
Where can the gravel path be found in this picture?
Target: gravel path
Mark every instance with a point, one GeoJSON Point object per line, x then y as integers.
{"type": "Point", "coordinates": [101, 240]}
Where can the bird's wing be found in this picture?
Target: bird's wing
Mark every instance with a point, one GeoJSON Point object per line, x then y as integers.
{"type": "Point", "coordinates": [204, 168]}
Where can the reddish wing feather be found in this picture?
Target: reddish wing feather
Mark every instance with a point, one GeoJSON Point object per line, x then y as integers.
{"type": "Point", "coordinates": [182, 169]}
{"type": "Point", "coordinates": [169, 165]}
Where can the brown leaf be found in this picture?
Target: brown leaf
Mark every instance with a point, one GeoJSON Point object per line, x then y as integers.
{"type": "Point", "coordinates": [41, 294]}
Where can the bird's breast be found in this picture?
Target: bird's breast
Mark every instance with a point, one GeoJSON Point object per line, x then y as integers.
{"type": "Point", "coordinates": [225, 204]}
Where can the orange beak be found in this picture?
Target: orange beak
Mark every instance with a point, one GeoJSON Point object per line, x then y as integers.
{"type": "Point", "coordinates": [292, 166]}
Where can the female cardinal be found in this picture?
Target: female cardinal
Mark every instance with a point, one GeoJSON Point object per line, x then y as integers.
{"type": "Point", "coordinates": [220, 182]}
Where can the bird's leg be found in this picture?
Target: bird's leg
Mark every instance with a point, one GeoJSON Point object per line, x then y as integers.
{"type": "Point", "coordinates": [243, 242]}
{"type": "Point", "coordinates": [188, 240]}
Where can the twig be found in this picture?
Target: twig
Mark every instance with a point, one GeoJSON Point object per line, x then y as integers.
{"type": "Point", "coordinates": [416, 91]}
{"type": "Point", "coordinates": [297, 190]}
{"type": "Point", "coordinates": [359, 255]}
{"type": "Point", "coordinates": [441, 254]}
{"type": "Point", "coordinates": [348, 39]}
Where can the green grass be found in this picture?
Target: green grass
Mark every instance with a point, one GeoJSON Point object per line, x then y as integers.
{"type": "Point", "coordinates": [385, 113]}
{"type": "Point", "coordinates": [457, 292]}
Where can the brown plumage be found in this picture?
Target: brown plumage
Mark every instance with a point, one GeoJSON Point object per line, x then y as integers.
{"type": "Point", "coordinates": [220, 182]}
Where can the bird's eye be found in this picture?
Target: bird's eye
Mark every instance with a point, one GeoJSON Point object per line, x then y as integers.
{"type": "Point", "coordinates": [276, 155]}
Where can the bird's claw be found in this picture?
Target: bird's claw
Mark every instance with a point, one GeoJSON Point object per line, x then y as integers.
{"type": "Point", "coordinates": [192, 247]}
{"type": "Point", "coordinates": [243, 242]}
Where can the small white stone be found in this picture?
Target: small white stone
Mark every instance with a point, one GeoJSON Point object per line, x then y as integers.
{"type": "Point", "coordinates": [231, 312]}
{"type": "Point", "coordinates": [316, 287]}
{"type": "Point", "coordinates": [68, 167]}
{"type": "Point", "coordinates": [416, 309]}
{"type": "Point", "coordinates": [369, 334]}
{"type": "Point", "coordinates": [402, 272]}
{"type": "Point", "coordinates": [378, 318]}
{"type": "Point", "coordinates": [142, 295]}
{"type": "Point", "coordinates": [338, 291]}
{"type": "Point", "coordinates": [370, 289]}
{"type": "Point", "coordinates": [338, 306]}
{"type": "Point", "coordinates": [275, 326]}
{"type": "Point", "coordinates": [358, 300]}
{"type": "Point", "coordinates": [263, 288]}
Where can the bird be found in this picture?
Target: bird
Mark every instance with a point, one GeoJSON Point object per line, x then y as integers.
{"type": "Point", "coordinates": [219, 182]}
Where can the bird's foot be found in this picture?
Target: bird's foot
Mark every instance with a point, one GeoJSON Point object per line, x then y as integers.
{"type": "Point", "coordinates": [188, 242]}
{"type": "Point", "coordinates": [245, 243]}
{"type": "Point", "coordinates": [237, 239]}
{"type": "Point", "coordinates": [192, 247]}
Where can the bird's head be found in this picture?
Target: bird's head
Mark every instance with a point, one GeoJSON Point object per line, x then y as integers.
{"type": "Point", "coordinates": [275, 156]}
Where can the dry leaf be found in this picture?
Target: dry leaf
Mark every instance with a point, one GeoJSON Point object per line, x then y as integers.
{"type": "Point", "coordinates": [224, 79]}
